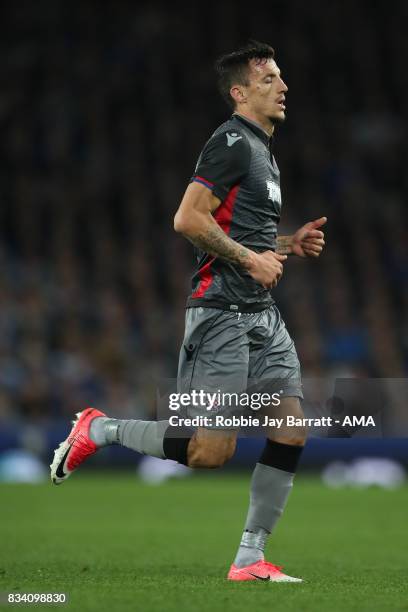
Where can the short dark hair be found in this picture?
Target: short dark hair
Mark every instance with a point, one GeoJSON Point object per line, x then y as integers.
{"type": "Point", "coordinates": [233, 67]}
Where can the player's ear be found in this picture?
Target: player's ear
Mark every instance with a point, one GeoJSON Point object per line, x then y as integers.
{"type": "Point", "coordinates": [238, 94]}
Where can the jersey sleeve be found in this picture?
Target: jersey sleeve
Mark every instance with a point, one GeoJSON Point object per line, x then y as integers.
{"type": "Point", "coordinates": [223, 162]}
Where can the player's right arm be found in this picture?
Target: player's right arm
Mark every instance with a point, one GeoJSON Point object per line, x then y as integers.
{"type": "Point", "coordinates": [219, 168]}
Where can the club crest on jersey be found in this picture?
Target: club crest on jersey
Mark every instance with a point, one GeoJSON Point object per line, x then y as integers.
{"type": "Point", "coordinates": [274, 192]}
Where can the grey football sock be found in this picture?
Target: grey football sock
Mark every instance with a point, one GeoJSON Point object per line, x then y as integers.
{"type": "Point", "coordinates": [270, 490]}
{"type": "Point", "coordinates": [145, 437]}
{"type": "Point", "coordinates": [103, 431]}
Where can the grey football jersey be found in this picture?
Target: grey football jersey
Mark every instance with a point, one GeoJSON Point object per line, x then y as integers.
{"type": "Point", "coordinates": [237, 165]}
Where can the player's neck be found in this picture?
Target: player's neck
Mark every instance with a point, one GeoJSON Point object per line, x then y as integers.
{"type": "Point", "coordinates": [263, 122]}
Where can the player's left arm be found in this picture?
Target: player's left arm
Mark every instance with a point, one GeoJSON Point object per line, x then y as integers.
{"type": "Point", "coordinates": [307, 241]}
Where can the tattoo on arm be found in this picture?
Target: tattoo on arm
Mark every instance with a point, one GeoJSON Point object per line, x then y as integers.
{"type": "Point", "coordinates": [284, 245]}
{"type": "Point", "coordinates": [215, 242]}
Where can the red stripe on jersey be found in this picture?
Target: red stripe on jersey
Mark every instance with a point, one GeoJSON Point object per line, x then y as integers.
{"type": "Point", "coordinates": [223, 216]}
{"type": "Point", "coordinates": [206, 278]}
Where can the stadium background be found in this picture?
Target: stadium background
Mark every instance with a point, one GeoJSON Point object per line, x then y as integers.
{"type": "Point", "coordinates": [104, 108]}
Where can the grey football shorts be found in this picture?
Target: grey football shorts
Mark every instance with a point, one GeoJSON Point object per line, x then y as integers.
{"type": "Point", "coordinates": [230, 353]}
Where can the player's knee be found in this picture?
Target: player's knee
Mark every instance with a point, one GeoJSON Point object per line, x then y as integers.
{"type": "Point", "coordinates": [293, 437]}
{"type": "Point", "coordinates": [298, 438]}
{"type": "Point", "coordinates": [211, 454]}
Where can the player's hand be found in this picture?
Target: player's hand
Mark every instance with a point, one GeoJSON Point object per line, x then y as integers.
{"type": "Point", "coordinates": [267, 269]}
{"type": "Point", "coordinates": [308, 241]}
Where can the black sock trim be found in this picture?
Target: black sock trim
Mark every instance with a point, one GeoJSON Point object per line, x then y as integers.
{"type": "Point", "coordinates": [281, 456]}
{"type": "Point", "coordinates": [175, 443]}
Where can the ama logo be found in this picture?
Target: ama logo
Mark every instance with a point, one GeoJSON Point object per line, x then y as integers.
{"type": "Point", "coordinates": [362, 421]}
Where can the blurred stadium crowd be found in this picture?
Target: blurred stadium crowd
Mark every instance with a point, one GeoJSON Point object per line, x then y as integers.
{"type": "Point", "coordinates": [103, 111]}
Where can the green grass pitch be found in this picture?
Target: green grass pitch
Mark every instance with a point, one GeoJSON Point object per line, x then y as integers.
{"type": "Point", "coordinates": [112, 543]}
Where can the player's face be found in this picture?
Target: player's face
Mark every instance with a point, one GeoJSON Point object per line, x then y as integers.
{"type": "Point", "coordinates": [266, 91]}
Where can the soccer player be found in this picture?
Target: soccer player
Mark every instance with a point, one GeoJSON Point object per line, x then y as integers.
{"type": "Point", "coordinates": [234, 333]}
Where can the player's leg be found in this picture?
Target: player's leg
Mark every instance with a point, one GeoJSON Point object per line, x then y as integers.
{"type": "Point", "coordinates": [211, 448]}
{"type": "Point", "coordinates": [272, 479]}
{"type": "Point", "coordinates": [209, 332]}
{"type": "Point", "coordinates": [93, 430]}
{"type": "Point", "coordinates": [214, 359]}
{"type": "Point", "coordinates": [271, 484]}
